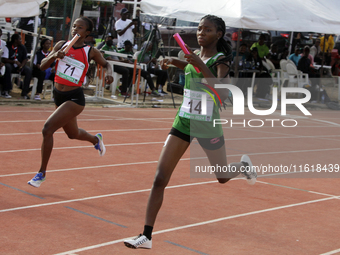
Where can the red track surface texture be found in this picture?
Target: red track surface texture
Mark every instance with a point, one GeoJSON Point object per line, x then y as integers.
{"type": "Point", "coordinates": [90, 204]}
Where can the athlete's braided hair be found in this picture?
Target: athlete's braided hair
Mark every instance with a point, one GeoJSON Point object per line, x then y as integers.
{"type": "Point", "coordinates": [222, 45]}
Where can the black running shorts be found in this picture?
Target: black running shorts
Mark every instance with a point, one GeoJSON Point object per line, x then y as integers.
{"type": "Point", "coordinates": [76, 95]}
{"type": "Point", "coordinates": [206, 143]}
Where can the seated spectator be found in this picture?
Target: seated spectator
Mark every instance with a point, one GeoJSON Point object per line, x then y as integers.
{"type": "Point", "coordinates": [273, 56]}
{"type": "Point", "coordinates": [243, 54]}
{"type": "Point", "coordinates": [126, 72]}
{"type": "Point", "coordinates": [108, 37]}
{"type": "Point", "coordinates": [5, 75]}
{"type": "Point", "coordinates": [262, 85]}
{"type": "Point", "coordinates": [128, 49]}
{"type": "Point", "coordinates": [295, 57]}
{"type": "Point", "coordinates": [262, 48]}
{"type": "Point", "coordinates": [284, 54]}
{"type": "Point", "coordinates": [256, 59]}
{"type": "Point", "coordinates": [318, 53]}
{"type": "Point", "coordinates": [309, 56]}
{"type": "Point", "coordinates": [305, 66]}
{"type": "Point", "coordinates": [42, 53]}
{"type": "Point", "coordinates": [150, 59]}
{"type": "Point", "coordinates": [17, 59]}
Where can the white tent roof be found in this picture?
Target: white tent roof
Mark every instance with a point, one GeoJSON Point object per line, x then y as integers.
{"type": "Point", "coordinates": [279, 15]}
{"type": "Point", "coordinates": [21, 8]}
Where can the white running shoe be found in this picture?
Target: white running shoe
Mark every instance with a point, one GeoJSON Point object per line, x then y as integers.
{"type": "Point", "coordinates": [249, 172]}
{"type": "Point", "coordinates": [100, 145]}
{"type": "Point", "coordinates": [37, 180]}
{"type": "Point", "coordinates": [140, 241]}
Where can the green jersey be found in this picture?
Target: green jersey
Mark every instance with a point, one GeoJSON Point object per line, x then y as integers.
{"type": "Point", "coordinates": [191, 118]}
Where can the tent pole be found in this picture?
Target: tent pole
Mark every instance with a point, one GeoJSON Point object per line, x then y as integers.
{"type": "Point", "coordinates": [237, 53]}
{"type": "Point", "coordinates": [290, 43]}
{"type": "Point", "coordinates": [76, 13]}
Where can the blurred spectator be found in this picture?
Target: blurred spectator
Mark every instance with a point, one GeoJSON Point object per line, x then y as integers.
{"type": "Point", "coordinates": [243, 54]}
{"type": "Point", "coordinates": [42, 53]}
{"type": "Point", "coordinates": [17, 59]}
{"type": "Point", "coordinates": [317, 50]}
{"type": "Point", "coordinates": [128, 49]}
{"type": "Point", "coordinates": [326, 46]}
{"type": "Point", "coordinates": [336, 66]}
{"type": "Point", "coordinates": [262, 48]}
{"type": "Point", "coordinates": [295, 57]}
{"type": "Point", "coordinates": [124, 71]}
{"type": "Point", "coordinates": [108, 37]}
{"type": "Point", "coordinates": [305, 66]}
{"type": "Point", "coordinates": [5, 73]}
{"type": "Point", "coordinates": [310, 57]}
{"type": "Point", "coordinates": [147, 56]}
{"type": "Point", "coordinates": [125, 28]}
{"type": "Point", "coordinates": [284, 54]}
{"type": "Point", "coordinates": [263, 79]}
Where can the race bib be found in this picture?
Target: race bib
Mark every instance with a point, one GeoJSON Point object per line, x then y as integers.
{"type": "Point", "coordinates": [192, 107]}
{"type": "Point", "coordinates": [70, 69]}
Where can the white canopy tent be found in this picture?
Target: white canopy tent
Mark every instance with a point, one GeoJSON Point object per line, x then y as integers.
{"type": "Point", "coordinates": [320, 16]}
{"type": "Point", "coordinates": [21, 8]}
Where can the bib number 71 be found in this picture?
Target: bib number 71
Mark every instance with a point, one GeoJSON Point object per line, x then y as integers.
{"type": "Point", "coordinates": [71, 69]}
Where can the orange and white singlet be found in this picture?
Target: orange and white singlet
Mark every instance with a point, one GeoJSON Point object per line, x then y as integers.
{"type": "Point", "coordinates": [71, 70]}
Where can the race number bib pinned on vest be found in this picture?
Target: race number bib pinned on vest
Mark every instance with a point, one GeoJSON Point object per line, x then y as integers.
{"type": "Point", "coordinates": [70, 69]}
{"type": "Point", "coordinates": [192, 106]}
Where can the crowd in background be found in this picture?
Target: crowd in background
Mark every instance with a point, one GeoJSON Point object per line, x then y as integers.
{"type": "Point", "coordinates": [130, 36]}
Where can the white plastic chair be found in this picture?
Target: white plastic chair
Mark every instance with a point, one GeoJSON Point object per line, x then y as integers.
{"type": "Point", "coordinates": [275, 73]}
{"type": "Point", "coordinates": [14, 76]}
{"type": "Point", "coordinates": [284, 74]}
{"type": "Point", "coordinates": [34, 88]}
{"type": "Point", "coordinates": [47, 87]}
{"type": "Point", "coordinates": [296, 77]}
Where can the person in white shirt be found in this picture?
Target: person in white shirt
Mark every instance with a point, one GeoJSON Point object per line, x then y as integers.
{"type": "Point", "coordinates": [6, 87]}
{"type": "Point", "coordinates": [125, 28]}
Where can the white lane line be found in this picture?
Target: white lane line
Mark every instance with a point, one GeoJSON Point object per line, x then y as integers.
{"type": "Point", "coordinates": [331, 252]}
{"type": "Point", "coordinates": [102, 196]}
{"type": "Point", "coordinates": [182, 159]}
{"type": "Point", "coordinates": [199, 224]}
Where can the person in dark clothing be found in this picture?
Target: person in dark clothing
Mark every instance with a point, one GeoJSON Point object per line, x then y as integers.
{"type": "Point", "coordinates": [145, 74]}
{"type": "Point", "coordinates": [273, 56]}
{"type": "Point", "coordinates": [17, 59]}
{"type": "Point", "coordinates": [28, 25]}
{"type": "Point", "coordinates": [305, 66]}
{"type": "Point", "coordinates": [263, 79]}
{"type": "Point", "coordinates": [42, 53]}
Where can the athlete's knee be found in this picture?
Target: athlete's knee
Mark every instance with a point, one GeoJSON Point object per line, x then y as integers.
{"type": "Point", "coordinates": [160, 181]}
{"type": "Point", "coordinates": [47, 130]}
